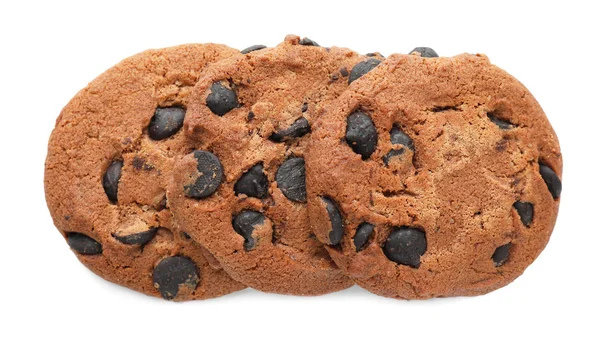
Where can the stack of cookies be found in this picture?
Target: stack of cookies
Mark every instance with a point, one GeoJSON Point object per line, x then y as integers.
{"type": "Point", "coordinates": [195, 171]}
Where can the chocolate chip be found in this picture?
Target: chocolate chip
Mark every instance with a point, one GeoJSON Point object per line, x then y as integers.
{"type": "Point", "coordinates": [172, 273]}
{"type": "Point", "coordinates": [362, 68]}
{"type": "Point", "coordinates": [397, 136]}
{"type": "Point", "coordinates": [250, 115]}
{"type": "Point", "coordinates": [253, 183]}
{"type": "Point", "coordinates": [500, 256]}
{"type": "Point", "coordinates": [374, 54]}
{"type": "Point", "coordinates": [83, 244]}
{"type": "Point", "coordinates": [221, 99]}
{"type": "Point", "coordinates": [308, 42]}
{"type": "Point", "coordinates": [361, 134]}
{"type": "Point", "coordinates": [252, 48]}
{"type": "Point", "coordinates": [552, 181]}
{"type": "Point", "coordinates": [136, 238]}
{"type": "Point", "coordinates": [503, 124]}
{"type": "Point", "coordinates": [525, 211]}
{"type": "Point", "coordinates": [166, 122]}
{"type": "Point", "coordinates": [110, 181]}
{"type": "Point", "coordinates": [344, 72]}
{"type": "Point", "coordinates": [426, 52]}
{"type": "Point", "coordinates": [210, 174]}
{"type": "Point", "coordinates": [363, 233]}
{"type": "Point", "coordinates": [186, 235]}
{"type": "Point", "coordinates": [291, 179]}
{"type": "Point", "coordinates": [443, 108]}
{"type": "Point", "coordinates": [406, 245]}
{"type": "Point", "coordinates": [335, 217]}
{"type": "Point", "coordinates": [140, 163]}
{"type": "Point", "coordinates": [298, 129]}
{"type": "Point", "coordinates": [244, 224]}
{"type": "Point", "coordinates": [304, 107]}
{"type": "Point", "coordinates": [392, 154]}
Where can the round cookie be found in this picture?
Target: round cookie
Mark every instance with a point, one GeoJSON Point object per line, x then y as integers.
{"type": "Point", "coordinates": [433, 177]}
{"type": "Point", "coordinates": [242, 195]}
{"type": "Point", "coordinates": [109, 160]}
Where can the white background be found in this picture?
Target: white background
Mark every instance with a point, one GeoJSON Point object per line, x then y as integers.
{"type": "Point", "coordinates": [50, 50]}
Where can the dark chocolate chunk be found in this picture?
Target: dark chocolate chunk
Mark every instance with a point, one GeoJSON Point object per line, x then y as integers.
{"type": "Point", "coordinates": [426, 52]}
{"type": "Point", "coordinates": [304, 107]}
{"type": "Point", "coordinates": [252, 48]}
{"type": "Point", "coordinates": [362, 68]}
{"type": "Point", "coordinates": [308, 42]}
{"type": "Point", "coordinates": [363, 233]}
{"type": "Point", "coordinates": [361, 134]}
{"type": "Point", "coordinates": [166, 122]}
{"type": "Point", "coordinates": [253, 183]}
{"type": "Point", "coordinates": [503, 124]}
{"type": "Point", "coordinates": [335, 217]}
{"type": "Point", "coordinates": [221, 99]}
{"type": "Point", "coordinates": [136, 238]}
{"type": "Point", "coordinates": [406, 245]}
{"type": "Point", "coordinates": [110, 181]}
{"type": "Point", "coordinates": [298, 129]}
{"type": "Point", "coordinates": [552, 181]}
{"type": "Point", "coordinates": [500, 256]}
{"type": "Point", "coordinates": [392, 154]}
{"type": "Point", "coordinates": [443, 108]}
{"type": "Point", "coordinates": [291, 179]}
{"type": "Point", "coordinates": [250, 115]}
{"type": "Point", "coordinates": [83, 244]}
{"type": "Point", "coordinates": [244, 223]}
{"type": "Point", "coordinates": [397, 136]}
{"type": "Point", "coordinates": [525, 211]}
{"type": "Point", "coordinates": [210, 174]}
{"type": "Point", "coordinates": [174, 272]}
{"type": "Point", "coordinates": [344, 71]}
{"type": "Point", "coordinates": [139, 163]}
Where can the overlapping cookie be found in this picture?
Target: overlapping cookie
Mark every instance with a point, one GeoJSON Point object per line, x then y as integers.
{"type": "Point", "coordinates": [242, 194]}
{"type": "Point", "coordinates": [433, 177]}
{"type": "Point", "coordinates": [183, 172]}
{"type": "Point", "coordinates": [110, 157]}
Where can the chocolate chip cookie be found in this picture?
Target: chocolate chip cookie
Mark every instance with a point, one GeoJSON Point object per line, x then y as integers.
{"type": "Point", "coordinates": [109, 159]}
{"type": "Point", "coordinates": [242, 195]}
{"type": "Point", "coordinates": [433, 177]}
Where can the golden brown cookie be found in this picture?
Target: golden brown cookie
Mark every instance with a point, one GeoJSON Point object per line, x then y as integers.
{"type": "Point", "coordinates": [242, 195]}
{"type": "Point", "coordinates": [109, 159]}
{"type": "Point", "coordinates": [433, 177]}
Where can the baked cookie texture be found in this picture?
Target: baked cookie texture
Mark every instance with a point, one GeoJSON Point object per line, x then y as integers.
{"type": "Point", "coordinates": [242, 195]}
{"type": "Point", "coordinates": [194, 171]}
{"type": "Point", "coordinates": [109, 159]}
{"type": "Point", "coordinates": [433, 177]}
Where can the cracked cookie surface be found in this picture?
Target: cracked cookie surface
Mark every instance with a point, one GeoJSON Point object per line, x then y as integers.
{"type": "Point", "coordinates": [254, 113]}
{"type": "Point", "coordinates": [109, 161]}
{"type": "Point", "coordinates": [433, 177]}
